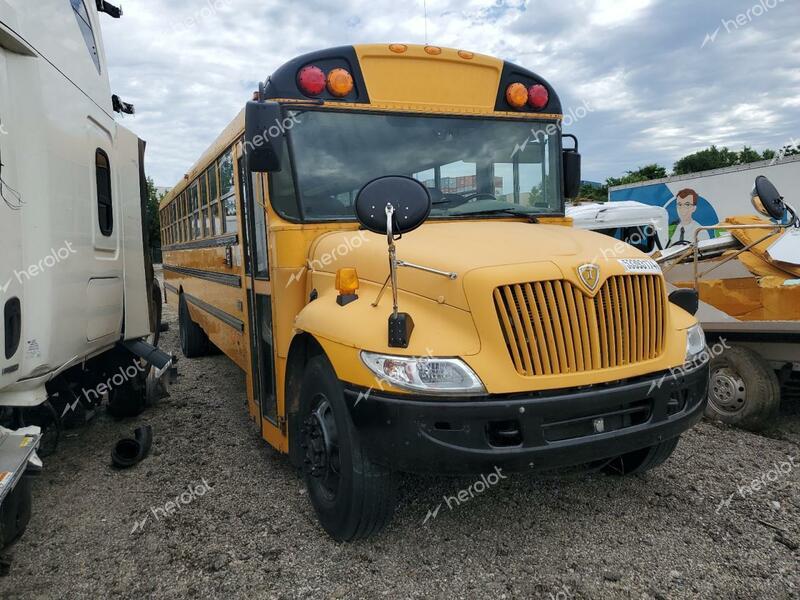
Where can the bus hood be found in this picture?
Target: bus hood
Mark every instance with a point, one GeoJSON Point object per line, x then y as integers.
{"type": "Point", "coordinates": [524, 249]}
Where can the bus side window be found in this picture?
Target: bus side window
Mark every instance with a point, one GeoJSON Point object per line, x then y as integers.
{"type": "Point", "coordinates": [213, 200]}
{"type": "Point", "coordinates": [105, 213]}
{"type": "Point", "coordinates": [204, 218]}
{"type": "Point", "coordinates": [226, 192]}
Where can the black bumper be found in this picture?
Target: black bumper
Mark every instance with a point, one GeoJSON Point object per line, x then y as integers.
{"type": "Point", "coordinates": [526, 432]}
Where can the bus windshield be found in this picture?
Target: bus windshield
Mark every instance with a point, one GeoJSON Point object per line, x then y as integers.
{"type": "Point", "coordinates": [472, 167]}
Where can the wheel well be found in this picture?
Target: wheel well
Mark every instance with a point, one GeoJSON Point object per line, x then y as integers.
{"type": "Point", "coordinates": [302, 349]}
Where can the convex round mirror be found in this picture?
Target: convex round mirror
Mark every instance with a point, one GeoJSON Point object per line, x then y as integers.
{"type": "Point", "coordinates": [410, 199]}
{"type": "Point", "coordinates": [767, 200]}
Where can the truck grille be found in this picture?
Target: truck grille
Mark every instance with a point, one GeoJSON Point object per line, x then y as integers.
{"type": "Point", "coordinates": [552, 328]}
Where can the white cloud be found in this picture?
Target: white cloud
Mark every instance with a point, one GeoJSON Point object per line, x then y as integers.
{"type": "Point", "coordinates": [190, 67]}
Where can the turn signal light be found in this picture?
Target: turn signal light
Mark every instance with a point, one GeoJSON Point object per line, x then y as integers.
{"type": "Point", "coordinates": [517, 95]}
{"type": "Point", "coordinates": [538, 96]}
{"type": "Point", "coordinates": [347, 280]}
{"type": "Point", "coordinates": [340, 83]}
{"type": "Point", "coordinates": [311, 80]}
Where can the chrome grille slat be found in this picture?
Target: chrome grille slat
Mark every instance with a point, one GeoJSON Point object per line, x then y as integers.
{"type": "Point", "coordinates": [553, 328]}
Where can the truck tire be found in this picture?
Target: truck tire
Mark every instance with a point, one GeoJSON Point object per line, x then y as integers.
{"type": "Point", "coordinates": [743, 390]}
{"type": "Point", "coordinates": [194, 341]}
{"type": "Point", "coordinates": [640, 461]}
{"type": "Point", "coordinates": [353, 497]}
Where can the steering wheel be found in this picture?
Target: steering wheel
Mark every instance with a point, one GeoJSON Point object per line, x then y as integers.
{"type": "Point", "coordinates": [477, 195]}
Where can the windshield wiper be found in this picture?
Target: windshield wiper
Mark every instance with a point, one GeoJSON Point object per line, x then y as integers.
{"type": "Point", "coordinates": [499, 211]}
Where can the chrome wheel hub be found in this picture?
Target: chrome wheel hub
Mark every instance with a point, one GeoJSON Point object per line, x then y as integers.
{"type": "Point", "coordinates": [727, 390]}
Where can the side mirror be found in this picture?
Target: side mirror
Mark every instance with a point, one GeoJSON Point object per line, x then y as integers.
{"type": "Point", "coordinates": [264, 136]}
{"type": "Point", "coordinates": [409, 199]}
{"type": "Point", "coordinates": [767, 200]}
{"type": "Point", "coordinates": [392, 206]}
{"type": "Point", "coordinates": [572, 169]}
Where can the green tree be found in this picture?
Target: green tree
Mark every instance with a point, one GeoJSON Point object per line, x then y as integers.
{"type": "Point", "coordinates": [705, 160]}
{"type": "Point", "coordinates": [153, 216]}
{"type": "Point", "coordinates": [645, 173]}
{"type": "Point", "coordinates": [748, 155]}
{"type": "Point", "coordinates": [593, 193]}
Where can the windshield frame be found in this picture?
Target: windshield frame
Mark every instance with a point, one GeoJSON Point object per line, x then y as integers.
{"type": "Point", "coordinates": [296, 187]}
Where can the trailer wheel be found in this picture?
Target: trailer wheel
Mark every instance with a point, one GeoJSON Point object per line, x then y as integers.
{"type": "Point", "coordinates": [642, 460]}
{"type": "Point", "coordinates": [194, 341]}
{"type": "Point", "coordinates": [743, 390]}
{"type": "Point", "coordinates": [353, 497]}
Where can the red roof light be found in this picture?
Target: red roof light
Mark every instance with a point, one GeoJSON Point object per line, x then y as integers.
{"type": "Point", "coordinates": [538, 96]}
{"type": "Point", "coordinates": [311, 80]}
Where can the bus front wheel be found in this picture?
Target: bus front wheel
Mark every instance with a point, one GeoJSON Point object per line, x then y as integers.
{"type": "Point", "coordinates": [353, 497]}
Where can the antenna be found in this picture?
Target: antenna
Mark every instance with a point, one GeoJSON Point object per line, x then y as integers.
{"type": "Point", "coordinates": [425, 11]}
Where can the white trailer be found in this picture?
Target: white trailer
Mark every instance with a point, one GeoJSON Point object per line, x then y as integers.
{"type": "Point", "coordinates": [77, 291]}
{"type": "Point", "coordinates": [708, 198]}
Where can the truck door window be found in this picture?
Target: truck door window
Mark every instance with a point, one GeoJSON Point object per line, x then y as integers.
{"type": "Point", "coordinates": [85, 25]}
{"type": "Point", "coordinates": [105, 213]}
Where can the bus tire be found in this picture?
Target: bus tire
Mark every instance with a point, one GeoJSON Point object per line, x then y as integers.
{"type": "Point", "coordinates": [743, 390]}
{"type": "Point", "coordinates": [353, 497]}
{"type": "Point", "coordinates": [641, 461]}
{"type": "Point", "coordinates": [194, 341]}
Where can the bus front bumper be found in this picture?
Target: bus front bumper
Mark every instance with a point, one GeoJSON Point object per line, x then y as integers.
{"type": "Point", "coordinates": [523, 432]}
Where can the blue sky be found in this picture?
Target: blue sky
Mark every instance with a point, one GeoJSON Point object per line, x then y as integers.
{"type": "Point", "coordinates": [662, 77]}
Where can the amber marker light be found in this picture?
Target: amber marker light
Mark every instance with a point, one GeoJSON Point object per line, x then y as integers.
{"type": "Point", "coordinates": [346, 285]}
{"type": "Point", "coordinates": [398, 48]}
{"type": "Point", "coordinates": [340, 82]}
{"type": "Point", "coordinates": [517, 95]}
{"type": "Point", "coordinates": [466, 54]}
{"type": "Point", "coordinates": [433, 50]}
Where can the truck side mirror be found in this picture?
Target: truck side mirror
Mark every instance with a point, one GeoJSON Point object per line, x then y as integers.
{"type": "Point", "coordinates": [264, 136]}
{"type": "Point", "coordinates": [572, 169]}
{"type": "Point", "coordinates": [767, 199]}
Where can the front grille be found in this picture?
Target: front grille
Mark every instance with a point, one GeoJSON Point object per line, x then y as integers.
{"type": "Point", "coordinates": [552, 328]}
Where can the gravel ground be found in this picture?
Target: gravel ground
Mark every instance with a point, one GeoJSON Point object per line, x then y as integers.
{"type": "Point", "coordinates": [253, 533]}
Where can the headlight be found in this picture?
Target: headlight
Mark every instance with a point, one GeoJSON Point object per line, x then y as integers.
{"type": "Point", "coordinates": [695, 344]}
{"type": "Point", "coordinates": [425, 374]}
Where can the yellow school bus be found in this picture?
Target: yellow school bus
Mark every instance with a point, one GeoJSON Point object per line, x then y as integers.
{"type": "Point", "coordinates": [378, 240]}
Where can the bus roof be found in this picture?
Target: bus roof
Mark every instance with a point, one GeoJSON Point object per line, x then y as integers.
{"type": "Point", "coordinates": [397, 77]}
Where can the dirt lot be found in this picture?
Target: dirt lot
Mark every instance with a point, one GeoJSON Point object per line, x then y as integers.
{"type": "Point", "coordinates": [249, 530]}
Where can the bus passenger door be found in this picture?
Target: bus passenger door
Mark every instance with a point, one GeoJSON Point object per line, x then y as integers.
{"type": "Point", "coordinates": [259, 303]}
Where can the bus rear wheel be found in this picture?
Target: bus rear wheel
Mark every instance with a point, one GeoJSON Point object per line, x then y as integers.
{"type": "Point", "coordinates": [353, 497]}
{"type": "Point", "coordinates": [194, 341]}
